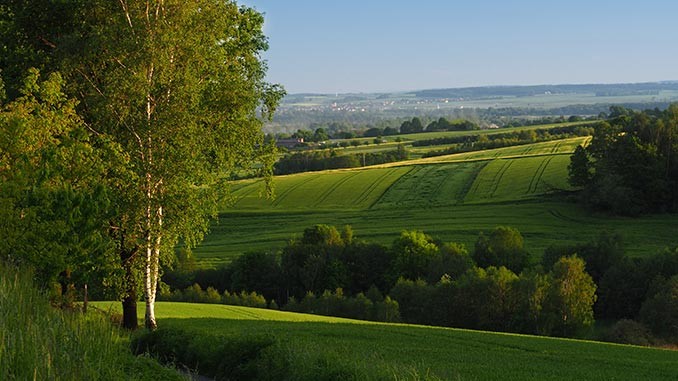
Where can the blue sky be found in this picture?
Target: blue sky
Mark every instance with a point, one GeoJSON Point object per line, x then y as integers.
{"type": "Point", "coordinates": [374, 46]}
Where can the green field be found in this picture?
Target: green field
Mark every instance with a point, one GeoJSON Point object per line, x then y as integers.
{"type": "Point", "coordinates": [391, 142]}
{"type": "Point", "coordinates": [451, 197]}
{"type": "Point", "coordinates": [442, 352]}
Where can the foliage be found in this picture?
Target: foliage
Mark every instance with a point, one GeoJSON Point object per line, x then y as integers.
{"type": "Point", "coordinates": [180, 91]}
{"type": "Point", "coordinates": [571, 296]}
{"type": "Point", "coordinates": [329, 159]}
{"type": "Point", "coordinates": [631, 165]}
{"type": "Point", "coordinates": [357, 307]}
{"type": "Point", "coordinates": [413, 253]}
{"type": "Point", "coordinates": [442, 124]}
{"type": "Point", "coordinates": [54, 204]}
{"type": "Point", "coordinates": [659, 312]}
{"type": "Point", "coordinates": [627, 331]}
{"type": "Point", "coordinates": [580, 171]}
{"type": "Point", "coordinates": [503, 247]}
{"type": "Point", "coordinates": [606, 250]}
{"type": "Point", "coordinates": [411, 126]}
{"type": "Point", "coordinates": [195, 294]}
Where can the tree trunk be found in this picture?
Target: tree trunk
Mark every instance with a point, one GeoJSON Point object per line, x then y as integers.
{"type": "Point", "coordinates": [129, 302]}
{"type": "Point", "coordinates": [129, 310]}
{"type": "Point", "coordinates": [152, 271]}
{"type": "Point", "coordinates": [148, 278]}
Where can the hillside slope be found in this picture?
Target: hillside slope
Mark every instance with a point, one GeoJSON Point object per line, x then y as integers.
{"type": "Point", "coordinates": [417, 350]}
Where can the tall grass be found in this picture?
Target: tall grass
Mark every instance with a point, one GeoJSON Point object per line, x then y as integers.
{"type": "Point", "coordinates": [38, 342]}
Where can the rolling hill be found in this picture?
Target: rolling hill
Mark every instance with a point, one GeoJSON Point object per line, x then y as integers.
{"type": "Point", "coordinates": [451, 197]}
{"type": "Point", "coordinates": [416, 352]}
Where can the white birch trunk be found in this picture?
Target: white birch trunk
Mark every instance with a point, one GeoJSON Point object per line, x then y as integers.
{"type": "Point", "coordinates": [149, 264]}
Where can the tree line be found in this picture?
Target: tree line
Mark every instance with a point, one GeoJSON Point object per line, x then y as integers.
{"type": "Point", "coordinates": [329, 159]}
{"type": "Point", "coordinates": [527, 136]}
{"type": "Point", "coordinates": [496, 286]}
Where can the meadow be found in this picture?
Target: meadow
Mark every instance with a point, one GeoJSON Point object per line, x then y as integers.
{"type": "Point", "coordinates": [452, 197]}
{"type": "Point", "coordinates": [418, 352]}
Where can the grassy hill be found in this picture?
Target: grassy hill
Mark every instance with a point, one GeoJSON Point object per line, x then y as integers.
{"type": "Point", "coordinates": [414, 352]}
{"type": "Point", "coordinates": [451, 197]}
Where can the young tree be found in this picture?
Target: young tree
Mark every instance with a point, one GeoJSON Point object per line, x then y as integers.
{"type": "Point", "coordinates": [571, 296]}
{"type": "Point", "coordinates": [580, 168]}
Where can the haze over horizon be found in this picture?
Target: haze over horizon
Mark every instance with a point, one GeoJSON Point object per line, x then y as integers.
{"type": "Point", "coordinates": [354, 47]}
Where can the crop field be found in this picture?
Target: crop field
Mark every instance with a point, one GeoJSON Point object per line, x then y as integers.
{"type": "Point", "coordinates": [439, 352]}
{"type": "Point", "coordinates": [341, 189]}
{"type": "Point", "coordinates": [452, 197]}
{"type": "Point", "coordinates": [515, 179]}
{"type": "Point", "coordinates": [564, 146]}
{"type": "Point", "coordinates": [391, 142]}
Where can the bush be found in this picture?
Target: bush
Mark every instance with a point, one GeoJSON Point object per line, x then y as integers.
{"type": "Point", "coordinates": [660, 311]}
{"type": "Point", "coordinates": [627, 331]}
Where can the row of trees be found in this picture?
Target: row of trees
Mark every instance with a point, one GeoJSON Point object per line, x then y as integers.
{"type": "Point", "coordinates": [631, 165]}
{"type": "Point", "coordinates": [509, 138]}
{"type": "Point", "coordinates": [494, 287]}
{"type": "Point", "coordinates": [107, 165]}
{"type": "Point", "coordinates": [428, 281]}
{"type": "Point", "coordinates": [442, 124]}
{"type": "Point", "coordinates": [329, 159]}
{"type": "Point", "coordinates": [558, 302]}
{"type": "Point", "coordinates": [338, 131]}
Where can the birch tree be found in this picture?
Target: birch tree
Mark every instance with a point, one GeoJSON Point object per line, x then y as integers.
{"type": "Point", "coordinates": [180, 87]}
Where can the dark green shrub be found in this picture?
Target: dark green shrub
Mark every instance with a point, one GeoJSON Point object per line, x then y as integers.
{"type": "Point", "coordinates": [627, 331]}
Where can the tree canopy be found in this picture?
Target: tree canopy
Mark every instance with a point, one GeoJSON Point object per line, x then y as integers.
{"type": "Point", "coordinates": [631, 165]}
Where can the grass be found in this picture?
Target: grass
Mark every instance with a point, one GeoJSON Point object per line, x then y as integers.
{"type": "Point", "coordinates": [38, 342]}
{"type": "Point", "coordinates": [417, 352]}
{"type": "Point", "coordinates": [542, 223]}
{"type": "Point", "coordinates": [452, 197]}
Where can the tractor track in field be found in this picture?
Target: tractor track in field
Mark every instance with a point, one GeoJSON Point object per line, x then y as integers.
{"type": "Point", "coordinates": [464, 191]}
{"type": "Point", "coordinates": [562, 217]}
{"type": "Point", "coordinates": [500, 174]}
{"type": "Point", "coordinates": [332, 188]}
{"type": "Point", "coordinates": [410, 173]}
{"type": "Point", "coordinates": [291, 189]}
{"type": "Point", "coordinates": [364, 195]}
{"type": "Point", "coordinates": [536, 178]}
{"type": "Point", "coordinates": [556, 147]}
{"type": "Point", "coordinates": [449, 172]}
